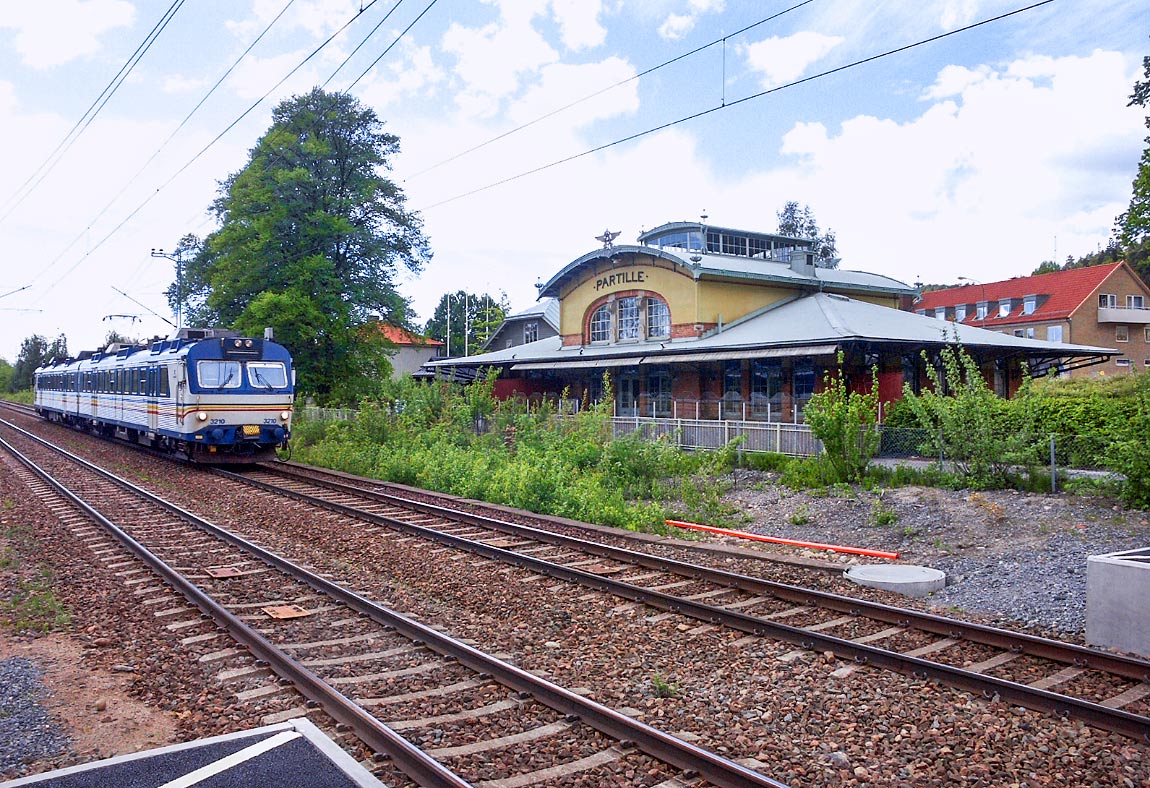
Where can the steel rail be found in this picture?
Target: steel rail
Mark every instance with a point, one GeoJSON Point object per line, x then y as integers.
{"type": "Point", "coordinates": [1067, 653]}
{"type": "Point", "coordinates": [411, 760]}
{"type": "Point", "coordinates": [1116, 720]}
{"type": "Point", "coordinates": [693, 760]}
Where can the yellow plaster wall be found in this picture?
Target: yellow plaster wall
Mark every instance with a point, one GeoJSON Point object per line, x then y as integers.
{"type": "Point", "coordinates": [689, 301]}
{"type": "Point", "coordinates": [677, 289]}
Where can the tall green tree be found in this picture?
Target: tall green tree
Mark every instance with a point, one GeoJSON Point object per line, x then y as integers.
{"type": "Point", "coordinates": [312, 236]}
{"type": "Point", "coordinates": [1133, 226]}
{"type": "Point", "coordinates": [801, 223]}
{"type": "Point", "coordinates": [35, 352]}
{"type": "Point", "coordinates": [471, 318]}
{"type": "Point", "coordinates": [6, 372]}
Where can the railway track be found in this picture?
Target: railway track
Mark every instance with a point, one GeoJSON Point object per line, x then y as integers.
{"type": "Point", "coordinates": [1105, 690]}
{"type": "Point", "coordinates": [306, 639]}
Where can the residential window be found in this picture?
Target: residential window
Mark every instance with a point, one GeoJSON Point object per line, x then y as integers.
{"type": "Point", "coordinates": [601, 323]}
{"type": "Point", "coordinates": [981, 309]}
{"type": "Point", "coordinates": [1030, 333]}
{"type": "Point", "coordinates": [1121, 333]}
{"type": "Point", "coordinates": [959, 313]}
{"type": "Point", "coordinates": [1135, 302]}
{"type": "Point", "coordinates": [1122, 362]}
{"type": "Point", "coordinates": [1054, 333]}
{"type": "Point", "coordinates": [1018, 332]}
{"type": "Point", "coordinates": [1029, 304]}
{"type": "Point", "coordinates": [530, 332]}
{"type": "Point", "coordinates": [1004, 307]}
{"type": "Point", "coordinates": [1147, 330]}
{"type": "Point", "coordinates": [1107, 300]}
{"type": "Point", "coordinates": [658, 318]}
{"type": "Point", "coordinates": [940, 312]}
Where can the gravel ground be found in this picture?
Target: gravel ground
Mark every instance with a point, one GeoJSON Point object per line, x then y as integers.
{"type": "Point", "coordinates": [27, 731]}
{"type": "Point", "coordinates": [1017, 557]}
{"type": "Point", "coordinates": [744, 699]}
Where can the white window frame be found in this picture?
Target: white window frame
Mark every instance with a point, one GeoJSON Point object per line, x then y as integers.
{"type": "Point", "coordinates": [959, 313]}
{"type": "Point", "coordinates": [1121, 333]}
{"type": "Point", "coordinates": [1054, 333]}
{"type": "Point", "coordinates": [1107, 300]}
{"type": "Point", "coordinates": [1029, 304]}
{"type": "Point", "coordinates": [1135, 302]}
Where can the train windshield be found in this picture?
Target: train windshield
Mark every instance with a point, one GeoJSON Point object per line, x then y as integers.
{"type": "Point", "coordinates": [219, 374]}
{"type": "Point", "coordinates": [267, 374]}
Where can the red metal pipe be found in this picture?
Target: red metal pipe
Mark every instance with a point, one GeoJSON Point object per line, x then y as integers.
{"type": "Point", "coordinates": [777, 540]}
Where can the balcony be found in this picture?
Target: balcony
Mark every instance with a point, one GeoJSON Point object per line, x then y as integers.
{"type": "Point", "coordinates": [1123, 314]}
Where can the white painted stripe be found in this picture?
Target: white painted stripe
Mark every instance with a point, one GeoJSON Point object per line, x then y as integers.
{"type": "Point", "coordinates": [233, 760]}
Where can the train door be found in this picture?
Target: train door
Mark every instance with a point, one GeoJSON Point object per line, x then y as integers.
{"type": "Point", "coordinates": [151, 397]}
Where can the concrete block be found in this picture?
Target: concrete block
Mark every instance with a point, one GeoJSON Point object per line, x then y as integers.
{"type": "Point", "coordinates": [1118, 601]}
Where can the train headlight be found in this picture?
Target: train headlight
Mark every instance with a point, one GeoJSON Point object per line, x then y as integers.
{"type": "Point", "coordinates": [285, 415]}
{"type": "Point", "coordinates": [202, 416]}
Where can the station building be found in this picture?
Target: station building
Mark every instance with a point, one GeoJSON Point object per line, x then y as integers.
{"type": "Point", "coordinates": [706, 322]}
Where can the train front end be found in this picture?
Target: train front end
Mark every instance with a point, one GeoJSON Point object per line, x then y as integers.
{"type": "Point", "coordinates": [235, 399]}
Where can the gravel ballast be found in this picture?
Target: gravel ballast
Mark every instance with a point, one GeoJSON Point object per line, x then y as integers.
{"type": "Point", "coordinates": [27, 731]}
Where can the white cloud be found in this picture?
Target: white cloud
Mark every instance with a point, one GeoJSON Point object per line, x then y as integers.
{"type": "Point", "coordinates": [783, 60]}
{"type": "Point", "coordinates": [51, 34]}
{"type": "Point", "coordinates": [492, 61]}
{"type": "Point", "coordinates": [981, 183]}
{"type": "Point", "coordinates": [579, 23]}
{"type": "Point", "coordinates": [677, 25]}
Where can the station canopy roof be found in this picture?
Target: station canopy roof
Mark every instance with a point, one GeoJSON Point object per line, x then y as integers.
{"type": "Point", "coordinates": [816, 324]}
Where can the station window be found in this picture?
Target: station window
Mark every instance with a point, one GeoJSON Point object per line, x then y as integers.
{"type": "Point", "coordinates": [601, 323]}
{"type": "Point", "coordinates": [733, 380]}
{"type": "Point", "coordinates": [658, 318]}
{"type": "Point", "coordinates": [630, 319]}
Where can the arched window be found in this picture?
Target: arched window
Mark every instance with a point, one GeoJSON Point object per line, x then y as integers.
{"type": "Point", "coordinates": [631, 319]}
{"type": "Point", "coordinates": [658, 319]}
{"type": "Point", "coordinates": [601, 323]}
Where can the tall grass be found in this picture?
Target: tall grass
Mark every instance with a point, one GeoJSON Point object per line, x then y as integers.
{"type": "Point", "coordinates": [466, 442]}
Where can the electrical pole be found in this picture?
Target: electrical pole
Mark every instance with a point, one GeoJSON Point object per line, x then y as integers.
{"type": "Point", "coordinates": [179, 261]}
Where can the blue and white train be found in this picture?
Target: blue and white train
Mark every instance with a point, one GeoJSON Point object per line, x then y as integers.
{"type": "Point", "coordinates": [207, 394]}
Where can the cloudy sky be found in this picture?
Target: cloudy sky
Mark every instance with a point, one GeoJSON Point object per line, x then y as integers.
{"type": "Point", "coordinates": [529, 126]}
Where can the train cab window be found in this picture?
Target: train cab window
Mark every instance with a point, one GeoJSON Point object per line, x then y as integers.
{"type": "Point", "coordinates": [267, 374]}
{"type": "Point", "coordinates": [219, 374]}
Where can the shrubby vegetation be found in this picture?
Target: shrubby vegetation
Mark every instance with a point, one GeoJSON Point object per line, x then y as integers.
{"type": "Point", "coordinates": [466, 442]}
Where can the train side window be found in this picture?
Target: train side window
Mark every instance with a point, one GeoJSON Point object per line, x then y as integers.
{"type": "Point", "coordinates": [164, 382]}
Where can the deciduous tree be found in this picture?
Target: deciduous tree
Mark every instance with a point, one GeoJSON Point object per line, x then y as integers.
{"type": "Point", "coordinates": [801, 223]}
{"type": "Point", "coordinates": [312, 236]}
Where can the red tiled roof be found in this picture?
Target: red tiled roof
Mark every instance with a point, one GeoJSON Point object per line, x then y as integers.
{"type": "Point", "coordinates": [400, 336]}
{"type": "Point", "coordinates": [1064, 291]}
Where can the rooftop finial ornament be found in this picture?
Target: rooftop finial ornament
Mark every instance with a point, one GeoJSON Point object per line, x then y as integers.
{"type": "Point", "coordinates": [608, 238]}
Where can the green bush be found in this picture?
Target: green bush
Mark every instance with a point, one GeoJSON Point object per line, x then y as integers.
{"type": "Point", "coordinates": [845, 422]}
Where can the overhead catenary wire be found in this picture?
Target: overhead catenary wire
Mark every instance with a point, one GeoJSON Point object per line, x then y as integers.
{"type": "Point", "coordinates": [728, 105]}
{"type": "Point", "coordinates": [362, 43]}
{"type": "Point", "coordinates": [45, 168]}
{"type": "Point", "coordinates": [210, 144]}
{"type": "Point", "coordinates": [164, 144]}
{"type": "Point", "coordinates": [609, 88]}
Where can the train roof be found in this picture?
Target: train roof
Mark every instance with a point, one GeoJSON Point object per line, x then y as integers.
{"type": "Point", "coordinates": [197, 343]}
